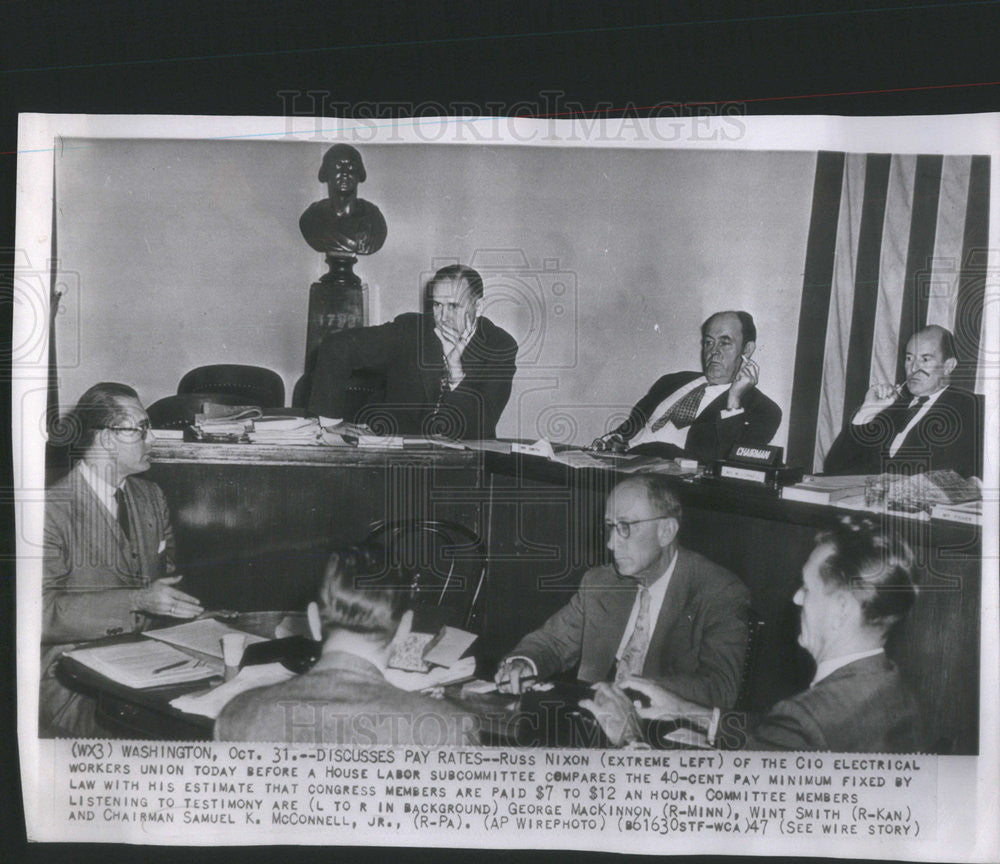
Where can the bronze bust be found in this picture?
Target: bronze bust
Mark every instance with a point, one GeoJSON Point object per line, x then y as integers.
{"type": "Point", "coordinates": [343, 224]}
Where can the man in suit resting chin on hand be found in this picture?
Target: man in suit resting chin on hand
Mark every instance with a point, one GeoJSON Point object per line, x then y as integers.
{"type": "Point", "coordinates": [702, 415]}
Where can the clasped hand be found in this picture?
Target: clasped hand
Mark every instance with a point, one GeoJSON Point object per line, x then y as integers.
{"type": "Point", "coordinates": [514, 676]}
{"type": "Point", "coordinates": [617, 714]}
{"type": "Point", "coordinates": [454, 344]}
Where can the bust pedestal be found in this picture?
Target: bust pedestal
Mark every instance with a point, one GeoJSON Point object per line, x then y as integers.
{"type": "Point", "coordinates": [336, 302]}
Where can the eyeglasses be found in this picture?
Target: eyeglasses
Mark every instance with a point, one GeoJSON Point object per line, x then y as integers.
{"type": "Point", "coordinates": [623, 527]}
{"type": "Point", "coordinates": [142, 429]}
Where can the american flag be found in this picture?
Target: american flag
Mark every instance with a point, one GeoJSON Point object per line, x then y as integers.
{"type": "Point", "coordinates": [895, 243]}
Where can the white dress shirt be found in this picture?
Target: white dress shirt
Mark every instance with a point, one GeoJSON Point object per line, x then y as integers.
{"type": "Point", "coordinates": [871, 410]}
{"type": "Point", "coordinates": [828, 667]}
{"type": "Point", "coordinates": [897, 442]}
{"type": "Point", "coordinates": [657, 591]}
{"type": "Point", "coordinates": [670, 434]}
{"type": "Point", "coordinates": [105, 492]}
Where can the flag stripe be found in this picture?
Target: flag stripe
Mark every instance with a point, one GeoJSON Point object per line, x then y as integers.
{"type": "Point", "coordinates": [859, 352]}
{"type": "Point", "coordinates": [972, 279]}
{"type": "Point", "coordinates": [913, 311]}
{"type": "Point", "coordinates": [892, 267]}
{"type": "Point", "coordinates": [814, 308]}
{"type": "Point", "coordinates": [831, 406]}
{"type": "Point", "coordinates": [949, 232]}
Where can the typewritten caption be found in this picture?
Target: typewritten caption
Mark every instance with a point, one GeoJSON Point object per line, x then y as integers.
{"type": "Point", "coordinates": [116, 790]}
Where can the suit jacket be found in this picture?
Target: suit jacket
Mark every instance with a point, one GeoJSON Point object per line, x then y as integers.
{"type": "Point", "coordinates": [697, 645]}
{"type": "Point", "coordinates": [862, 707]}
{"type": "Point", "coordinates": [412, 359]}
{"type": "Point", "coordinates": [710, 436]}
{"type": "Point", "coordinates": [90, 576]}
{"type": "Point", "coordinates": [949, 435]}
{"type": "Point", "coordinates": [345, 699]}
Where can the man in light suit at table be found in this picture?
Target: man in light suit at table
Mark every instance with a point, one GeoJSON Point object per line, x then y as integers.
{"type": "Point", "coordinates": [924, 424]}
{"type": "Point", "coordinates": [108, 548]}
{"type": "Point", "coordinates": [345, 698]}
{"type": "Point", "coordinates": [702, 415]}
{"type": "Point", "coordinates": [661, 611]}
{"type": "Point", "coordinates": [856, 585]}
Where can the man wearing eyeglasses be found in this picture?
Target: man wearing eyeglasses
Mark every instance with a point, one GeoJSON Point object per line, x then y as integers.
{"type": "Point", "coordinates": [108, 549]}
{"type": "Point", "coordinates": [660, 611]}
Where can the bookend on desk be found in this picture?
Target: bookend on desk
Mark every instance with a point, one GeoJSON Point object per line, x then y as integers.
{"type": "Point", "coordinates": [295, 653]}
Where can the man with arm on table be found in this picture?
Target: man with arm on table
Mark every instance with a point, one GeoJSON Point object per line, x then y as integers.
{"type": "Point", "coordinates": [345, 698]}
{"type": "Point", "coordinates": [661, 611]}
{"type": "Point", "coordinates": [701, 416]}
{"type": "Point", "coordinates": [448, 373]}
{"type": "Point", "coordinates": [108, 549]}
{"type": "Point", "coordinates": [856, 585]}
{"type": "Point", "coordinates": [926, 422]}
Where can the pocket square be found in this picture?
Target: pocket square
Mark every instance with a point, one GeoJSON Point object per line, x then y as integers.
{"type": "Point", "coordinates": [161, 547]}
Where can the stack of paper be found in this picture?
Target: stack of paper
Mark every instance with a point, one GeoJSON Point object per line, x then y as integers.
{"type": "Point", "coordinates": [285, 430]}
{"type": "Point", "coordinates": [144, 664]}
{"type": "Point", "coordinates": [210, 704]}
{"type": "Point", "coordinates": [203, 636]}
{"type": "Point", "coordinates": [225, 420]}
{"type": "Point", "coordinates": [825, 490]}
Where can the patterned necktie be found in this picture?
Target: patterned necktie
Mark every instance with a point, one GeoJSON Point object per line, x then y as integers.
{"type": "Point", "coordinates": [634, 655]}
{"type": "Point", "coordinates": [683, 411]}
{"type": "Point", "coordinates": [122, 511]}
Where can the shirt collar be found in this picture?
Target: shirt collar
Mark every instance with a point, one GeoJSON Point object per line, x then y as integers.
{"type": "Point", "coordinates": [659, 588]}
{"type": "Point", "coordinates": [828, 667]}
{"type": "Point", "coordinates": [94, 475]}
{"type": "Point", "coordinates": [931, 399]}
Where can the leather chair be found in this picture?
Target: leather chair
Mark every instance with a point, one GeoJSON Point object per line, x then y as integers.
{"type": "Point", "coordinates": [443, 565]}
{"type": "Point", "coordinates": [255, 385]}
{"type": "Point", "coordinates": [363, 387]}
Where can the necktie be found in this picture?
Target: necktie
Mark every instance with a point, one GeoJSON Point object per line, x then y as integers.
{"type": "Point", "coordinates": [634, 655]}
{"type": "Point", "coordinates": [683, 411]}
{"type": "Point", "coordinates": [122, 511]}
{"type": "Point", "coordinates": [911, 412]}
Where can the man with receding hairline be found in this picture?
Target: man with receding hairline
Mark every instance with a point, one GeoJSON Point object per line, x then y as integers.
{"type": "Point", "coordinates": [447, 372]}
{"type": "Point", "coordinates": [659, 610]}
{"type": "Point", "coordinates": [856, 586]}
{"type": "Point", "coordinates": [924, 424]}
{"type": "Point", "coordinates": [702, 415]}
{"type": "Point", "coordinates": [108, 550]}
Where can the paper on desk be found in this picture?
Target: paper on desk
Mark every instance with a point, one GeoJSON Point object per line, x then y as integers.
{"type": "Point", "coordinates": [437, 677]}
{"type": "Point", "coordinates": [489, 445]}
{"type": "Point", "coordinates": [540, 448]}
{"type": "Point", "coordinates": [577, 459]}
{"type": "Point", "coordinates": [202, 636]}
{"type": "Point", "coordinates": [210, 704]}
{"type": "Point", "coordinates": [143, 664]}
